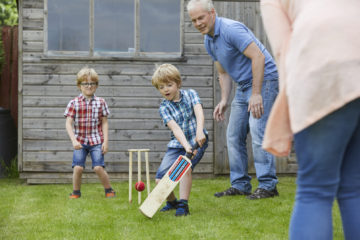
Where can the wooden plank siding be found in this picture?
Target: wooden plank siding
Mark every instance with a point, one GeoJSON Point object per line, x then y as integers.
{"type": "Point", "coordinates": [47, 84]}
{"type": "Point", "coordinates": [9, 71]}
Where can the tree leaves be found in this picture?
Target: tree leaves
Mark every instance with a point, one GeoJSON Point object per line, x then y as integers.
{"type": "Point", "coordinates": [8, 13]}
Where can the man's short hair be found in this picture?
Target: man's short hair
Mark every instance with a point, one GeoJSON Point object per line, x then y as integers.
{"type": "Point", "coordinates": [206, 4]}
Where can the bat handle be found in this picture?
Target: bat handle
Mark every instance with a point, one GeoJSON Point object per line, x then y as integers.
{"type": "Point", "coordinates": [189, 155]}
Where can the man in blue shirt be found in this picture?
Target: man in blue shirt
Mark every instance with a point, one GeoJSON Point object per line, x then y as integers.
{"type": "Point", "coordinates": [239, 56]}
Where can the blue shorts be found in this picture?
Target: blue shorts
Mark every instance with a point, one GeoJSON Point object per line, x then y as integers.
{"type": "Point", "coordinates": [79, 156]}
{"type": "Point", "coordinates": [173, 153]}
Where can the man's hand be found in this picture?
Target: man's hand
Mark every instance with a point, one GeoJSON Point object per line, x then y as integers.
{"type": "Point", "coordinates": [219, 111]}
{"type": "Point", "coordinates": [76, 145]}
{"type": "Point", "coordinates": [256, 105]}
{"type": "Point", "coordinates": [225, 82]}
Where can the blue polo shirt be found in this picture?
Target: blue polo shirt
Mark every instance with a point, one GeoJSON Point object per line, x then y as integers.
{"type": "Point", "coordinates": [227, 45]}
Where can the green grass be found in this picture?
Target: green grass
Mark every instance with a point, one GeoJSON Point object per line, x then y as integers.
{"type": "Point", "coordinates": [10, 170]}
{"type": "Point", "coordinates": [45, 212]}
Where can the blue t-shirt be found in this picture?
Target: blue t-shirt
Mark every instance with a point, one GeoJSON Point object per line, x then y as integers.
{"type": "Point", "coordinates": [227, 45]}
{"type": "Point", "coordinates": [182, 112]}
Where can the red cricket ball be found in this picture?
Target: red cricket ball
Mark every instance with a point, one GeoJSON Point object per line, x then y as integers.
{"type": "Point", "coordinates": [140, 186]}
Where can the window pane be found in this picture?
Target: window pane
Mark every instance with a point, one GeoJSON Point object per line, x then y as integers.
{"type": "Point", "coordinates": [160, 25]}
{"type": "Point", "coordinates": [68, 25]}
{"type": "Point", "coordinates": [114, 25]}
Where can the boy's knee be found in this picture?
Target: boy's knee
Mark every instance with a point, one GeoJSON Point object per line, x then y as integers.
{"type": "Point", "coordinates": [98, 169]}
{"type": "Point", "coordinates": [78, 169]}
{"type": "Point", "coordinates": [188, 174]}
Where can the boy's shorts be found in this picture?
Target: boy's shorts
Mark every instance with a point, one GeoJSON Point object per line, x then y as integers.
{"type": "Point", "coordinates": [79, 156]}
{"type": "Point", "coordinates": [173, 153]}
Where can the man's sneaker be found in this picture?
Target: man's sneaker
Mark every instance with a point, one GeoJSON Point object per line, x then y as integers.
{"type": "Point", "coordinates": [110, 194]}
{"type": "Point", "coordinates": [230, 192]}
{"type": "Point", "coordinates": [169, 206]}
{"type": "Point", "coordinates": [74, 196]}
{"type": "Point", "coordinates": [263, 193]}
{"type": "Point", "coordinates": [182, 208]}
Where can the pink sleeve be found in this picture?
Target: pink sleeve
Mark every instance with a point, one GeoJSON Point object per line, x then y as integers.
{"type": "Point", "coordinates": [278, 29]}
{"type": "Point", "coordinates": [278, 134]}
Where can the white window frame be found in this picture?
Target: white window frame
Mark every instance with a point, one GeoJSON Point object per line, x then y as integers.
{"type": "Point", "coordinates": [136, 55]}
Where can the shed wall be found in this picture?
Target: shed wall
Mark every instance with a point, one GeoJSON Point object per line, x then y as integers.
{"type": "Point", "coordinates": [47, 84]}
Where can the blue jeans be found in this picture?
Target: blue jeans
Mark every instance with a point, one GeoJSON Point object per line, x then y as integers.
{"type": "Point", "coordinates": [240, 121]}
{"type": "Point", "coordinates": [328, 155]}
{"type": "Point", "coordinates": [173, 153]}
{"type": "Point", "coordinates": [79, 156]}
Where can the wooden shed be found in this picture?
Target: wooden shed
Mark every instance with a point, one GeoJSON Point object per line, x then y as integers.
{"type": "Point", "coordinates": [122, 41]}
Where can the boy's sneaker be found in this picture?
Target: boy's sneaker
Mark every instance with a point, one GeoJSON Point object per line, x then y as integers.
{"type": "Point", "coordinates": [263, 193]}
{"type": "Point", "coordinates": [230, 192]}
{"type": "Point", "coordinates": [182, 208]}
{"type": "Point", "coordinates": [110, 194]}
{"type": "Point", "coordinates": [74, 196]}
{"type": "Point", "coordinates": [169, 206]}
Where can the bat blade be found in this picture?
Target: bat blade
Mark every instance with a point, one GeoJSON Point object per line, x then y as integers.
{"type": "Point", "coordinates": [166, 185]}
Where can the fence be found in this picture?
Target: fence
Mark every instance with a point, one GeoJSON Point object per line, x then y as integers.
{"type": "Point", "coordinates": [9, 74]}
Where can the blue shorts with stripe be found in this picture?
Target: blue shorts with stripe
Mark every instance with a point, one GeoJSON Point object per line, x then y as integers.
{"type": "Point", "coordinates": [173, 153]}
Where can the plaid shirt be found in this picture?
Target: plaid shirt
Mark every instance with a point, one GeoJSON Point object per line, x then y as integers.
{"type": "Point", "coordinates": [88, 118]}
{"type": "Point", "coordinates": [183, 114]}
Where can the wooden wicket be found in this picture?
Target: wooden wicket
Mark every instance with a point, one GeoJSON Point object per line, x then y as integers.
{"type": "Point", "coordinates": [139, 151]}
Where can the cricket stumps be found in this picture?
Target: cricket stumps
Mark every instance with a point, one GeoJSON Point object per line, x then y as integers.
{"type": "Point", "coordinates": [146, 153]}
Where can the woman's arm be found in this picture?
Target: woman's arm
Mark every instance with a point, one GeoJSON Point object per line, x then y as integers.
{"type": "Point", "coordinates": [277, 24]}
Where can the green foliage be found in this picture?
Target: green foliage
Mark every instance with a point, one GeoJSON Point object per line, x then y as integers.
{"type": "Point", "coordinates": [8, 16]}
{"type": "Point", "coordinates": [11, 171]}
{"type": "Point", "coordinates": [46, 212]}
{"type": "Point", "coordinates": [8, 13]}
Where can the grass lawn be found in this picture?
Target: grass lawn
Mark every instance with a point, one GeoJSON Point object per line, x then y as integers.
{"type": "Point", "coordinates": [45, 212]}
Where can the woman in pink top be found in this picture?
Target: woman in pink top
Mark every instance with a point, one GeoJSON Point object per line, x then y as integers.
{"type": "Point", "coordinates": [316, 45]}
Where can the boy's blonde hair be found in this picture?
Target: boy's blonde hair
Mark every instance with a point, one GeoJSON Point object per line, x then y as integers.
{"type": "Point", "coordinates": [166, 73]}
{"type": "Point", "coordinates": [83, 74]}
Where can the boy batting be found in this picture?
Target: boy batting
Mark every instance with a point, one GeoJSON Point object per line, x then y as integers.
{"type": "Point", "coordinates": [182, 112]}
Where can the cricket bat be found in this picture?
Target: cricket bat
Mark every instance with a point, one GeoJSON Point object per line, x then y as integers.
{"type": "Point", "coordinates": [166, 185]}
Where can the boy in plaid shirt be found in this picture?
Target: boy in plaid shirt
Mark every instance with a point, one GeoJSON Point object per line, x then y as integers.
{"type": "Point", "coordinates": [88, 114]}
{"type": "Point", "coordinates": [182, 112]}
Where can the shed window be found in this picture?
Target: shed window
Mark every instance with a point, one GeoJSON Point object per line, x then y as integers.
{"type": "Point", "coordinates": [68, 25]}
{"type": "Point", "coordinates": [107, 27]}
